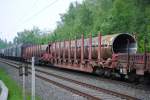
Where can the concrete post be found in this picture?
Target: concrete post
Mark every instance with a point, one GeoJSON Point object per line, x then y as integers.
{"type": "Point", "coordinates": [33, 79]}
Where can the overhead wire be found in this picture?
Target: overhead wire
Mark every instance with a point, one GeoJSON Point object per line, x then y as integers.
{"type": "Point", "coordinates": [37, 13]}
{"type": "Point", "coordinates": [25, 13]}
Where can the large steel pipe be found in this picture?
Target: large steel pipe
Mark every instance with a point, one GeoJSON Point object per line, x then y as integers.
{"type": "Point", "coordinates": [124, 43]}
{"type": "Point", "coordinates": [116, 43]}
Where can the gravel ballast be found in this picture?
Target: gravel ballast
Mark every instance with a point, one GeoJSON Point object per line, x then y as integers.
{"type": "Point", "coordinates": [44, 90]}
{"type": "Point", "coordinates": [135, 92]}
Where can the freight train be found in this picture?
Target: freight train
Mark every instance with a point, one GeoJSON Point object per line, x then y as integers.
{"type": "Point", "coordinates": [111, 55]}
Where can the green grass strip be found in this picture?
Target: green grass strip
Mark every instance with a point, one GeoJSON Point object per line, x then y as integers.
{"type": "Point", "coordinates": [15, 91]}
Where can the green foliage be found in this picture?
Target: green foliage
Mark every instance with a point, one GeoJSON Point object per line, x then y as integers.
{"type": "Point", "coordinates": [107, 17]}
{"type": "Point", "coordinates": [27, 36]}
{"type": "Point", "coordinates": [33, 36]}
{"type": "Point", "coordinates": [93, 16]}
{"type": "Point", "coordinates": [15, 91]}
{"type": "Point", "coordinates": [4, 44]}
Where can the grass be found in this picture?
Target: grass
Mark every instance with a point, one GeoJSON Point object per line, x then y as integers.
{"type": "Point", "coordinates": [15, 91]}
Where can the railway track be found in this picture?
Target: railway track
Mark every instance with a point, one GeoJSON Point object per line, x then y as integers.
{"type": "Point", "coordinates": [95, 77]}
{"type": "Point", "coordinates": [92, 92]}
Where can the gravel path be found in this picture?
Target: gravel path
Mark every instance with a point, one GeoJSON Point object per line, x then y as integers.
{"type": "Point", "coordinates": [44, 89]}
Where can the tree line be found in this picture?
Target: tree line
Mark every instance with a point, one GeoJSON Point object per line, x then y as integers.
{"type": "Point", "coordinates": [94, 16]}
{"type": "Point", "coordinates": [4, 43]}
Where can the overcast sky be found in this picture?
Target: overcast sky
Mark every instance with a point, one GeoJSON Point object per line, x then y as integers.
{"type": "Point", "coordinates": [17, 15]}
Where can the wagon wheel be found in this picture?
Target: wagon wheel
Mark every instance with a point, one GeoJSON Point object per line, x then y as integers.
{"type": "Point", "coordinates": [107, 73]}
{"type": "Point", "coordinates": [120, 72]}
{"type": "Point", "coordinates": [99, 71]}
{"type": "Point", "coordinates": [145, 80]}
{"type": "Point", "coordinates": [132, 77]}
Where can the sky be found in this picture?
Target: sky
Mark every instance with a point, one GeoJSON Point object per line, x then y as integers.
{"type": "Point", "coordinates": [17, 15]}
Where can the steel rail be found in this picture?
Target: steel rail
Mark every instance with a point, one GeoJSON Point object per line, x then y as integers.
{"type": "Point", "coordinates": [122, 96]}
{"type": "Point", "coordinates": [85, 95]}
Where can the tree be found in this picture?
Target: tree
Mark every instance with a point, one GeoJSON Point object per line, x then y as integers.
{"type": "Point", "coordinates": [4, 44]}
{"type": "Point", "coordinates": [93, 16]}
{"type": "Point", "coordinates": [106, 16]}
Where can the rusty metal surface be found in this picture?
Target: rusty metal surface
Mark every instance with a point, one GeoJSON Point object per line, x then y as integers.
{"type": "Point", "coordinates": [34, 50]}
{"type": "Point", "coordinates": [135, 61]}
{"type": "Point", "coordinates": [84, 54]}
{"type": "Point", "coordinates": [106, 46]}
